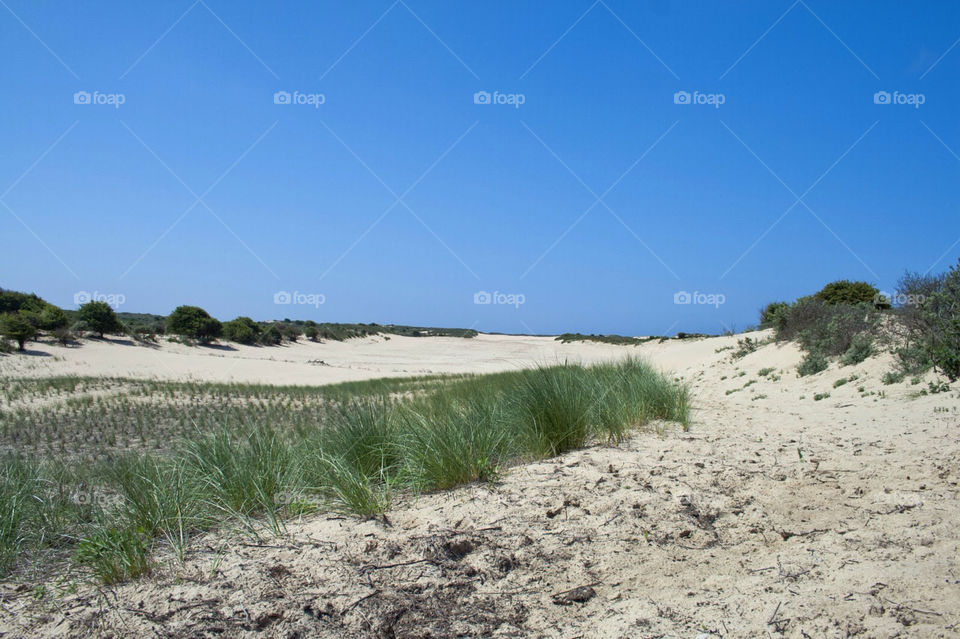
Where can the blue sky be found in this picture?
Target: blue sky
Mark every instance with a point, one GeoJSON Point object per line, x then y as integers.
{"type": "Point", "coordinates": [589, 207]}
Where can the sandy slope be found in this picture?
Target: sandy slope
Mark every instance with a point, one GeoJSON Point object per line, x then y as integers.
{"type": "Point", "coordinates": [773, 516]}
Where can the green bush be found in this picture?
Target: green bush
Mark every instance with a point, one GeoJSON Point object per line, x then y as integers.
{"type": "Point", "coordinates": [929, 323]}
{"type": "Point", "coordinates": [847, 292]}
{"type": "Point", "coordinates": [193, 322]}
{"type": "Point", "coordinates": [17, 327]}
{"type": "Point", "coordinates": [827, 328]}
{"type": "Point", "coordinates": [861, 347]}
{"type": "Point", "coordinates": [241, 330]}
{"type": "Point", "coordinates": [812, 363]}
{"type": "Point", "coordinates": [51, 318]}
{"type": "Point", "coordinates": [99, 318]}
{"type": "Point", "coordinates": [13, 301]}
{"type": "Point", "coordinates": [942, 311]}
{"type": "Point", "coordinates": [773, 314]}
{"type": "Point", "coordinates": [271, 335]}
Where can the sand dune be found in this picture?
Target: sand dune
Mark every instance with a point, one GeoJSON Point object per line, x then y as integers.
{"type": "Point", "coordinates": [775, 515]}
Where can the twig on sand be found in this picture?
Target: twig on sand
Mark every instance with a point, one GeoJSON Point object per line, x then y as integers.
{"type": "Point", "coordinates": [369, 567]}
{"type": "Point", "coordinates": [358, 602]}
{"type": "Point", "coordinates": [771, 621]}
{"type": "Point", "coordinates": [910, 608]}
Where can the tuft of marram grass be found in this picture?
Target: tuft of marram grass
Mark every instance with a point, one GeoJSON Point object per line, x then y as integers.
{"type": "Point", "coordinates": [346, 452]}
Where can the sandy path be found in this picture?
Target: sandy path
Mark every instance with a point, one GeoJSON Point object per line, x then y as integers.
{"type": "Point", "coordinates": [773, 516]}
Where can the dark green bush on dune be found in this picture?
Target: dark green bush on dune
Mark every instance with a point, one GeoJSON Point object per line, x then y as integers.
{"type": "Point", "coordinates": [17, 327]}
{"type": "Point", "coordinates": [847, 292]}
{"type": "Point", "coordinates": [241, 330]}
{"type": "Point", "coordinates": [930, 316]}
{"type": "Point", "coordinates": [99, 318]}
{"type": "Point", "coordinates": [193, 322]}
{"type": "Point", "coordinates": [841, 320]}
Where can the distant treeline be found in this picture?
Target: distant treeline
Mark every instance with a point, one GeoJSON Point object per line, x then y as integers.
{"type": "Point", "coordinates": [25, 315]}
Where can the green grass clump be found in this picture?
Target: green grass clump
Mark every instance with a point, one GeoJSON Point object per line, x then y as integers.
{"type": "Point", "coordinates": [158, 463]}
{"type": "Point", "coordinates": [115, 555]}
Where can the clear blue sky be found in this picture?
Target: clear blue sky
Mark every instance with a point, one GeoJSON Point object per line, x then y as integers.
{"type": "Point", "coordinates": [593, 202]}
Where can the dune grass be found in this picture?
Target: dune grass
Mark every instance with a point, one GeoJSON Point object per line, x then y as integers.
{"type": "Point", "coordinates": [255, 456]}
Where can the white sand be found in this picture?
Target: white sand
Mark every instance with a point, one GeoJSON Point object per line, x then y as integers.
{"type": "Point", "coordinates": [300, 363]}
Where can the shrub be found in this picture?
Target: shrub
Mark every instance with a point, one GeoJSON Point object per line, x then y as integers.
{"type": "Point", "coordinates": [813, 363]}
{"type": "Point", "coordinates": [241, 330]}
{"type": "Point", "coordinates": [745, 346]}
{"type": "Point", "coordinates": [827, 328]}
{"type": "Point", "coordinates": [861, 347]}
{"type": "Point", "coordinates": [99, 318]}
{"type": "Point", "coordinates": [17, 327]}
{"type": "Point", "coordinates": [271, 336]}
{"type": "Point", "coordinates": [929, 323]}
{"type": "Point", "coordinates": [290, 332]}
{"type": "Point", "coordinates": [847, 292]}
{"type": "Point", "coordinates": [13, 301]}
{"type": "Point", "coordinates": [773, 314]}
{"type": "Point", "coordinates": [942, 313]}
{"type": "Point", "coordinates": [193, 322]}
{"type": "Point", "coordinates": [51, 318]}
{"type": "Point", "coordinates": [311, 332]}
{"type": "Point", "coordinates": [893, 377]}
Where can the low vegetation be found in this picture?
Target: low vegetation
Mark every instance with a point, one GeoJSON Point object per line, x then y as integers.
{"type": "Point", "coordinates": [851, 321]}
{"type": "Point", "coordinates": [103, 472]}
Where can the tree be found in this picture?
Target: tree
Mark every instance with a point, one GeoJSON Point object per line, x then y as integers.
{"type": "Point", "coordinates": [13, 301]}
{"type": "Point", "coordinates": [99, 317]}
{"type": "Point", "coordinates": [241, 330]}
{"type": "Point", "coordinates": [271, 336]}
{"type": "Point", "coordinates": [51, 318]}
{"type": "Point", "coordinates": [195, 323]}
{"type": "Point", "coordinates": [847, 292]}
{"type": "Point", "coordinates": [17, 327]}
